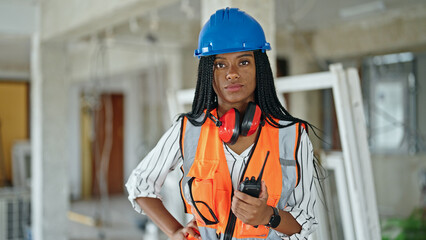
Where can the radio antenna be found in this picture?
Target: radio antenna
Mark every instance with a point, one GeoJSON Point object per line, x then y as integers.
{"type": "Point", "coordinates": [263, 167]}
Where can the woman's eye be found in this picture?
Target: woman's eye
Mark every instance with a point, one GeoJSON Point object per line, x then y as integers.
{"type": "Point", "coordinates": [245, 62]}
{"type": "Point", "coordinates": [220, 65]}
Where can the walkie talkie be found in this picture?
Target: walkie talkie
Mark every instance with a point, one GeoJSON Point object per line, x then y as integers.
{"type": "Point", "coordinates": [252, 186]}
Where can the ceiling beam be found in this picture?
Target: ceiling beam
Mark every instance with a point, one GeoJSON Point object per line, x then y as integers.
{"type": "Point", "coordinates": [73, 19]}
{"type": "Point", "coordinates": [392, 32]}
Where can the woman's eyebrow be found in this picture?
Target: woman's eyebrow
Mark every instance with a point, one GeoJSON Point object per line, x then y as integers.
{"type": "Point", "coordinates": [239, 56]}
{"type": "Point", "coordinates": [245, 55]}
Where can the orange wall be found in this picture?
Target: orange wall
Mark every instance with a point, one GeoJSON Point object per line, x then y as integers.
{"type": "Point", "coordinates": [13, 120]}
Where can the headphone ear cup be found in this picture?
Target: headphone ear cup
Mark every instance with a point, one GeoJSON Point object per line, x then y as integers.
{"type": "Point", "coordinates": [251, 119]}
{"type": "Point", "coordinates": [230, 128]}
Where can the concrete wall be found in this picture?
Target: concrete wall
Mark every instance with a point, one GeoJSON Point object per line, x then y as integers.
{"type": "Point", "coordinates": [397, 182]}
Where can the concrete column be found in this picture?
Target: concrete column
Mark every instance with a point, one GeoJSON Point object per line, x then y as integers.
{"type": "Point", "coordinates": [304, 105]}
{"type": "Point", "coordinates": [49, 138]}
{"type": "Point", "coordinates": [262, 11]}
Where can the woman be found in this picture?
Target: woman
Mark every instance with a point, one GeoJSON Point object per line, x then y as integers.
{"type": "Point", "coordinates": [237, 129]}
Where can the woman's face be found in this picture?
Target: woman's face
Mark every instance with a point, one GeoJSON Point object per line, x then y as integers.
{"type": "Point", "coordinates": [234, 78]}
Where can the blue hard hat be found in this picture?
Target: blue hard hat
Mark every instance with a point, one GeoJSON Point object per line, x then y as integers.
{"type": "Point", "coordinates": [230, 30]}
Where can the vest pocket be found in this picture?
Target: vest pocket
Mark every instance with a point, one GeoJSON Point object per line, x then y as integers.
{"type": "Point", "coordinates": [202, 200]}
{"type": "Point", "coordinates": [248, 231]}
{"type": "Point", "coordinates": [202, 189]}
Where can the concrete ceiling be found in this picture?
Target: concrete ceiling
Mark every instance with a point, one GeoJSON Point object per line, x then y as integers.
{"type": "Point", "coordinates": [301, 15]}
{"type": "Point", "coordinates": [307, 15]}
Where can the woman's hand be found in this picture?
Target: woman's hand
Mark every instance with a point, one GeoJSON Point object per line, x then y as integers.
{"type": "Point", "coordinates": [190, 231]}
{"type": "Point", "coordinates": [251, 210]}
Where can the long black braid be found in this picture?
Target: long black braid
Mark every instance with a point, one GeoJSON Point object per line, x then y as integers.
{"type": "Point", "coordinates": [205, 97]}
{"type": "Point", "coordinates": [266, 95]}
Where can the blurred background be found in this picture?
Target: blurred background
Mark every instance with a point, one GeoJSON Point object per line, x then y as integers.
{"type": "Point", "coordinates": [83, 98]}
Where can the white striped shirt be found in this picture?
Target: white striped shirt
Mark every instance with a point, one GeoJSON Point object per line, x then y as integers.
{"type": "Point", "coordinates": [148, 177]}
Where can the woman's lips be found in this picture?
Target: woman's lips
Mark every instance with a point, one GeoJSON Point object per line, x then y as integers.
{"type": "Point", "coordinates": [233, 87]}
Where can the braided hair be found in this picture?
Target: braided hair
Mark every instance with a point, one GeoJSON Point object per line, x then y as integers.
{"type": "Point", "coordinates": [265, 94]}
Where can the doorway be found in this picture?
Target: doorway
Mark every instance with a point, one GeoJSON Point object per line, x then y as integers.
{"type": "Point", "coordinates": [102, 129]}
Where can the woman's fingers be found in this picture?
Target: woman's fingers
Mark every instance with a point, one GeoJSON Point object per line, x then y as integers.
{"type": "Point", "coordinates": [193, 224]}
{"type": "Point", "coordinates": [249, 209]}
{"type": "Point", "coordinates": [192, 232]}
{"type": "Point", "coordinates": [264, 191]}
{"type": "Point", "coordinates": [246, 211]}
{"type": "Point", "coordinates": [192, 229]}
{"type": "Point", "coordinates": [239, 208]}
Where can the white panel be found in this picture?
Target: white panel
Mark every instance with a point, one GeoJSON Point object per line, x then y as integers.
{"type": "Point", "coordinates": [364, 158]}
{"type": "Point", "coordinates": [307, 82]}
{"type": "Point", "coordinates": [335, 161]}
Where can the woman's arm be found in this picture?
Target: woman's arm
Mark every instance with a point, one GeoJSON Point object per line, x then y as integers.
{"type": "Point", "coordinates": [145, 183]}
{"type": "Point", "coordinates": [301, 203]}
{"type": "Point", "coordinates": [154, 208]}
{"type": "Point", "coordinates": [147, 179]}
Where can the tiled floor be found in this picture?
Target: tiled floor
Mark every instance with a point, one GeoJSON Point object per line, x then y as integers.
{"type": "Point", "coordinates": [120, 221]}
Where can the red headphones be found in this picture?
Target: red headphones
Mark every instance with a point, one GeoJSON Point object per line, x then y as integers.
{"type": "Point", "coordinates": [229, 123]}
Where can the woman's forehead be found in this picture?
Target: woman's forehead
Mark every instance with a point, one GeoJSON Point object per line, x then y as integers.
{"type": "Point", "coordinates": [235, 55]}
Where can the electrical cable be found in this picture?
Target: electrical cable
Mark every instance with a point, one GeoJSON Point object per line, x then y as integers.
{"type": "Point", "coordinates": [98, 74]}
{"type": "Point", "coordinates": [107, 145]}
{"type": "Point", "coordinates": [96, 145]}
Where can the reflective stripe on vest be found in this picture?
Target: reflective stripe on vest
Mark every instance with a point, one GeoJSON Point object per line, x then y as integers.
{"type": "Point", "coordinates": [206, 184]}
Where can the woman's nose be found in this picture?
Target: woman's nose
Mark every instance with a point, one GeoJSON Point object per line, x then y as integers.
{"type": "Point", "coordinates": [232, 74]}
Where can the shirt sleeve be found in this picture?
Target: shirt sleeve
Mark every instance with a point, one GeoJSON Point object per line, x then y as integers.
{"type": "Point", "coordinates": [301, 203]}
{"type": "Point", "coordinates": [148, 177]}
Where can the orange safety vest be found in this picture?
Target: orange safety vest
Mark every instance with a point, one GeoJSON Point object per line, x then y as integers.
{"type": "Point", "coordinates": [206, 185]}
